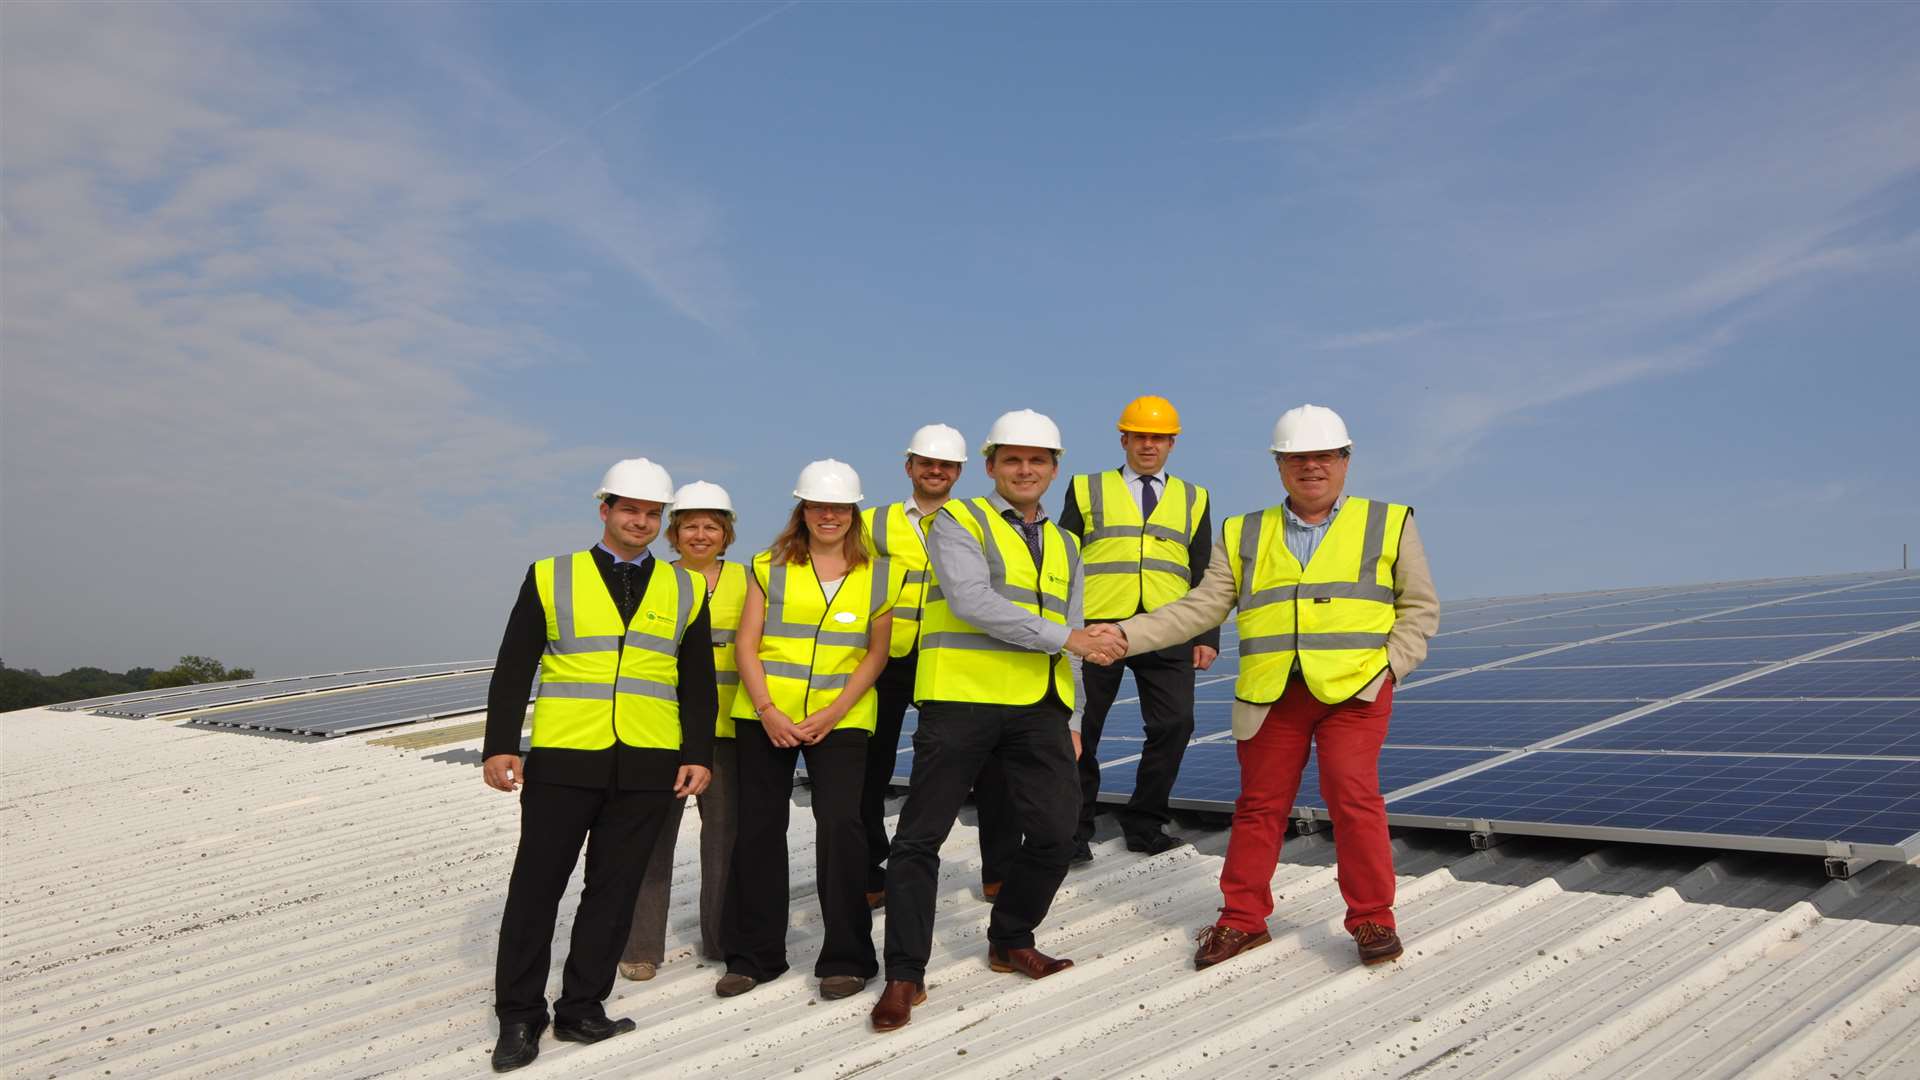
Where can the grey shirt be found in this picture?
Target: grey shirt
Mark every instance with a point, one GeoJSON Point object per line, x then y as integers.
{"type": "Point", "coordinates": [960, 565]}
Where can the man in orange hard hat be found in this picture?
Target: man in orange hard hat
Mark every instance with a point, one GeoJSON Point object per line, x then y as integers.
{"type": "Point", "coordinates": [1146, 539]}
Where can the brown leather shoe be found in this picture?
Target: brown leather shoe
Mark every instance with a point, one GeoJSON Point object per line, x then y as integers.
{"type": "Point", "coordinates": [1378, 944]}
{"type": "Point", "coordinates": [990, 890]}
{"type": "Point", "coordinates": [733, 984]}
{"type": "Point", "coordinates": [1032, 963]}
{"type": "Point", "coordinates": [835, 987]}
{"type": "Point", "coordinates": [876, 900]}
{"type": "Point", "coordinates": [895, 1007]}
{"type": "Point", "coordinates": [1219, 943]}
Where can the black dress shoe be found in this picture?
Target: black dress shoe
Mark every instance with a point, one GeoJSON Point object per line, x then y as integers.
{"type": "Point", "coordinates": [1155, 843]}
{"type": "Point", "coordinates": [591, 1030]}
{"type": "Point", "coordinates": [1082, 853]}
{"type": "Point", "coordinates": [519, 1044]}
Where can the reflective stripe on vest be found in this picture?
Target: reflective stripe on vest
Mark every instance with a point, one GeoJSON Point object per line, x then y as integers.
{"type": "Point", "coordinates": [1333, 616]}
{"type": "Point", "coordinates": [893, 536]}
{"type": "Point", "coordinates": [957, 661]}
{"type": "Point", "coordinates": [809, 647]}
{"type": "Point", "coordinates": [598, 684]}
{"type": "Point", "coordinates": [729, 598]}
{"type": "Point", "coordinates": [1133, 565]}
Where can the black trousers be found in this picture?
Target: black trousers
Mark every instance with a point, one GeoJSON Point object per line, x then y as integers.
{"type": "Point", "coordinates": [1165, 682]}
{"type": "Point", "coordinates": [954, 741]}
{"type": "Point", "coordinates": [754, 921]}
{"type": "Point", "coordinates": [999, 833]}
{"type": "Point", "coordinates": [895, 692]}
{"type": "Point", "coordinates": [619, 829]}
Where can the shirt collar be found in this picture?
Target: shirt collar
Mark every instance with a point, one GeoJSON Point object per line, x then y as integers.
{"type": "Point", "coordinates": [1004, 507]}
{"type": "Point", "coordinates": [617, 560]}
{"type": "Point", "coordinates": [1294, 519]}
{"type": "Point", "coordinates": [1127, 474]}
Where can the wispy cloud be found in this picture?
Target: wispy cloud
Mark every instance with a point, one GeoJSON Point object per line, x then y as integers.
{"type": "Point", "coordinates": [1570, 199]}
{"type": "Point", "coordinates": [248, 313]}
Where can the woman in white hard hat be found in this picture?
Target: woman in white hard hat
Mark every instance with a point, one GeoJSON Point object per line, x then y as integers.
{"type": "Point", "coordinates": [813, 638]}
{"type": "Point", "coordinates": [700, 531]}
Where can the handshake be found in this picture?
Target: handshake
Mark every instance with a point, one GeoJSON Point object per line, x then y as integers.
{"type": "Point", "coordinates": [1102, 643]}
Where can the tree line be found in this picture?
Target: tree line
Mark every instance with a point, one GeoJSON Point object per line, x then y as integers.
{"type": "Point", "coordinates": [25, 688]}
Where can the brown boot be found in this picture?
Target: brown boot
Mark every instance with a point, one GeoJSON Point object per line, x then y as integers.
{"type": "Point", "coordinates": [1032, 963]}
{"type": "Point", "coordinates": [895, 1008]}
{"type": "Point", "coordinates": [990, 890]}
{"type": "Point", "coordinates": [1219, 943]}
{"type": "Point", "coordinates": [1378, 944]}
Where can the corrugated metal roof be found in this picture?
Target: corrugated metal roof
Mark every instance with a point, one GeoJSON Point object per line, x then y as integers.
{"type": "Point", "coordinates": [186, 901]}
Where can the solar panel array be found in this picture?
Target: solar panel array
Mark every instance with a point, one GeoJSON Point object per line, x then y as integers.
{"type": "Point", "coordinates": [344, 712]}
{"type": "Point", "coordinates": [236, 694]}
{"type": "Point", "coordinates": [1774, 715]}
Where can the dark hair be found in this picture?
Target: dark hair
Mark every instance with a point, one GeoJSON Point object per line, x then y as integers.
{"type": "Point", "coordinates": [994, 452]}
{"type": "Point", "coordinates": [791, 546]}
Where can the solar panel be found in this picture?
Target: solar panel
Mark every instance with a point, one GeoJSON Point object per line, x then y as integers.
{"type": "Point", "coordinates": [1629, 651]}
{"type": "Point", "coordinates": [1840, 678]}
{"type": "Point", "coordinates": [1451, 657]}
{"type": "Point", "coordinates": [1852, 728]}
{"type": "Point", "coordinates": [278, 688]}
{"type": "Point", "coordinates": [343, 712]}
{"type": "Point", "coordinates": [1752, 624]}
{"type": "Point", "coordinates": [1901, 646]}
{"type": "Point", "coordinates": [1503, 724]}
{"type": "Point", "coordinates": [1210, 774]}
{"type": "Point", "coordinates": [148, 695]}
{"type": "Point", "coordinates": [1774, 803]}
{"type": "Point", "coordinates": [1647, 682]}
{"type": "Point", "coordinates": [1522, 634]}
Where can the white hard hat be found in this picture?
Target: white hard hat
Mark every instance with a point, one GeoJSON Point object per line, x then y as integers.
{"type": "Point", "coordinates": [939, 442]}
{"type": "Point", "coordinates": [1023, 427]}
{"type": "Point", "coordinates": [701, 495]}
{"type": "Point", "coordinates": [1307, 428]}
{"type": "Point", "coordinates": [828, 481]}
{"type": "Point", "coordinates": [637, 478]}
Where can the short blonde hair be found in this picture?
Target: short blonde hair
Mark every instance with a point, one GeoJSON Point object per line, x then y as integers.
{"type": "Point", "coordinates": [673, 528]}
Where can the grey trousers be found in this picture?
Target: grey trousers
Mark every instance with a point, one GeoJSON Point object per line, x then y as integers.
{"type": "Point", "coordinates": [719, 823]}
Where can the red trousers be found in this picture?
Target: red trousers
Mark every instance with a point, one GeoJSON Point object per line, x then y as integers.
{"type": "Point", "coordinates": [1348, 736]}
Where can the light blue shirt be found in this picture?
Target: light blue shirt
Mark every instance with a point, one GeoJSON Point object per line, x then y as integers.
{"type": "Point", "coordinates": [1304, 539]}
{"type": "Point", "coordinates": [617, 560]}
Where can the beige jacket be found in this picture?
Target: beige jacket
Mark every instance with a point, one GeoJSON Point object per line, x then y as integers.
{"type": "Point", "coordinates": [1416, 615]}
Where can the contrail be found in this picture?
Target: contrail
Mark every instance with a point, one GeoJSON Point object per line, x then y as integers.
{"type": "Point", "coordinates": [654, 85]}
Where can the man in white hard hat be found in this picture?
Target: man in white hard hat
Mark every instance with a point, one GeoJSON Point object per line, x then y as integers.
{"type": "Point", "coordinates": [995, 684]}
{"type": "Point", "coordinates": [624, 650]}
{"type": "Point", "coordinates": [935, 457]}
{"type": "Point", "coordinates": [1335, 604]}
{"type": "Point", "coordinates": [1147, 538]}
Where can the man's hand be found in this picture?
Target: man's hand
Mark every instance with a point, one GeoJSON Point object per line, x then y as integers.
{"type": "Point", "coordinates": [779, 727]}
{"type": "Point", "coordinates": [692, 780]}
{"type": "Point", "coordinates": [1076, 743]}
{"type": "Point", "coordinates": [817, 727]}
{"type": "Point", "coordinates": [1204, 656]}
{"type": "Point", "coordinates": [1100, 643]}
{"type": "Point", "coordinates": [502, 771]}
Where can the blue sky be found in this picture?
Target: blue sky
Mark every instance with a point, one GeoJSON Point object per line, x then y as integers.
{"type": "Point", "coordinates": [321, 322]}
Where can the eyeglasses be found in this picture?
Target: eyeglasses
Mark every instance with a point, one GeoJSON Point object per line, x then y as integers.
{"type": "Point", "coordinates": [827, 509]}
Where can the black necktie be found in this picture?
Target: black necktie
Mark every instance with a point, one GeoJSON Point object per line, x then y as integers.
{"type": "Point", "coordinates": [1148, 500]}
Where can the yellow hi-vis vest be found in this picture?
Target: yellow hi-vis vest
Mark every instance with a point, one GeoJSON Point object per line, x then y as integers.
{"type": "Point", "coordinates": [891, 535]}
{"type": "Point", "coordinates": [809, 647]}
{"type": "Point", "coordinates": [728, 599]}
{"type": "Point", "coordinates": [601, 682]}
{"type": "Point", "coordinates": [957, 661]}
{"type": "Point", "coordinates": [1134, 565]}
{"type": "Point", "coordinates": [1333, 615]}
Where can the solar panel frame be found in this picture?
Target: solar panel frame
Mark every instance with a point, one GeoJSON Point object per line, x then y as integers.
{"type": "Point", "coordinates": [1806, 728]}
{"type": "Point", "coordinates": [1903, 645]}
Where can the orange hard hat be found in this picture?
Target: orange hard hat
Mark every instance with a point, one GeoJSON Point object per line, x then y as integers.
{"type": "Point", "coordinates": [1150, 415]}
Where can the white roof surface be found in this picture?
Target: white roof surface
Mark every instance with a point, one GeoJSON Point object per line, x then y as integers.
{"type": "Point", "coordinates": [192, 901]}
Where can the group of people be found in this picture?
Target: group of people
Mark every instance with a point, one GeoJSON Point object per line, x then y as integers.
{"type": "Point", "coordinates": [714, 679]}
